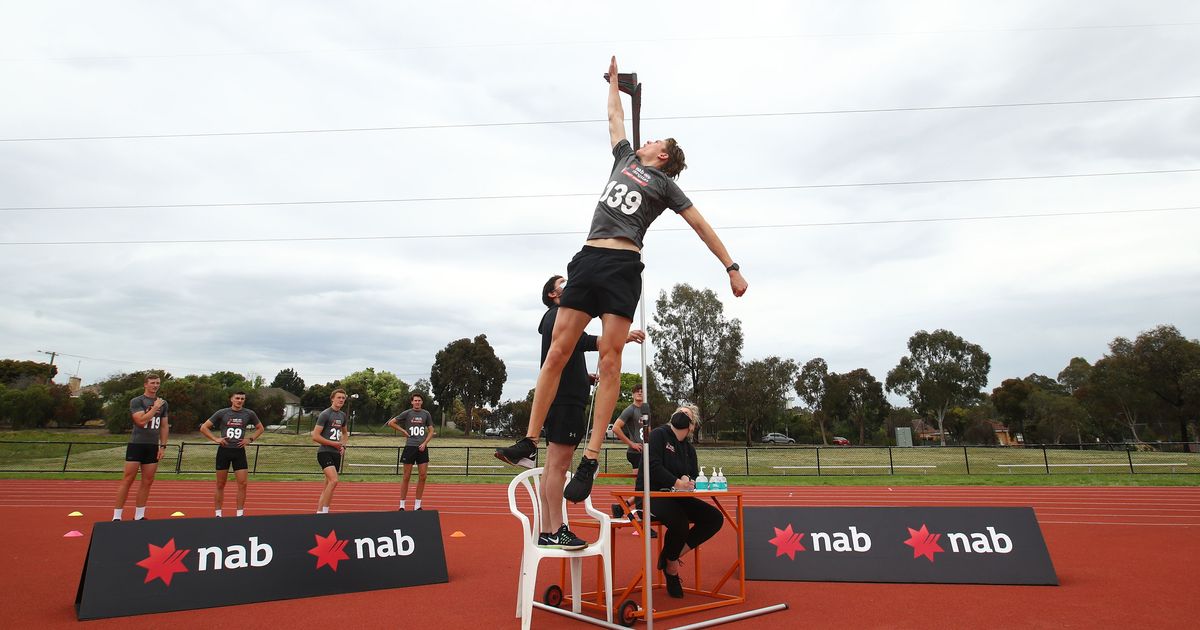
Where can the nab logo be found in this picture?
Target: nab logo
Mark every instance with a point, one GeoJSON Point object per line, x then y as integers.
{"type": "Point", "coordinates": [163, 562]}
{"type": "Point", "coordinates": [927, 544]}
{"type": "Point", "coordinates": [789, 542]}
{"type": "Point", "coordinates": [234, 556]}
{"type": "Point", "coordinates": [329, 550]}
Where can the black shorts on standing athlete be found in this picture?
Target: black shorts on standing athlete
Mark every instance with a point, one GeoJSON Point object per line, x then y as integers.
{"type": "Point", "coordinates": [414, 455]}
{"type": "Point", "coordinates": [141, 453]}
{"type": "Point", "coordinates": [325, 460]}
{"type": "Point", "coordinates": [231, 456]}
{"type": "Point", "coordinates": [602, 280]}
{"type": "Point", "coordinates": [565, 424]}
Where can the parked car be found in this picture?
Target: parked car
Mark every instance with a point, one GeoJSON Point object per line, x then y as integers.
{"type": "Point", "coordinates": [777, 438]}
{"type": "Point", "coordinates": [608, 434]}
{"type": "Point", "coordinates": [840, 441]}
{"type": "Point", "coordinates": [492, 432]}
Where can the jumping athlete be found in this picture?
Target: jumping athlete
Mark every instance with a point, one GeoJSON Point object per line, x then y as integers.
{"type": "Point", "coordinates": [565, 422]}
{"type": "Point", "coordinates": [232, 425]}
{"type": "Point", "coordinates": [605, 279]}
{"type": "Point", "coordinates": [147, 444]}
{"type": "Point", "coordinates": [417, 425]}
{"type": "Point", "coordinates": [330, 433]}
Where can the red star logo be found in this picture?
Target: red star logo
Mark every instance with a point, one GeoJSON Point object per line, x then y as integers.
{"type": "Point", "coordinates": [787, 541]}
{"type": "Point", "coordinates": [164, 562]}
{"type": "Point", "coordinates": [923, 543]}
{"type": "Point", "coordinates": [329, 550]}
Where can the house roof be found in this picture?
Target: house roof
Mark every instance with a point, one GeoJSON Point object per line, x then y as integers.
{"type": "Point", "coordinates": [288, 397]}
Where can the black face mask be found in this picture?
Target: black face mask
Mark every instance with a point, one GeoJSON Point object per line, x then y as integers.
{"type": "Point", "coordinates": [681, 420]}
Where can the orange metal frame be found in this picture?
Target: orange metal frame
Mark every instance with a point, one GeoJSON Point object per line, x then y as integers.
{"type": "Point", "coordinates": [736, 569]}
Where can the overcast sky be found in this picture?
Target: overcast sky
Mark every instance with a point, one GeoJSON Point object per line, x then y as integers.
{"type": "Point", "coordinates": [1034, 292]}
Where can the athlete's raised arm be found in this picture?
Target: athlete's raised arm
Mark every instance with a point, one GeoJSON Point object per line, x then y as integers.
{"type": "Point", "coordinates": [616, 112]}
{"type": "Point", "coordinates": [707, 234]}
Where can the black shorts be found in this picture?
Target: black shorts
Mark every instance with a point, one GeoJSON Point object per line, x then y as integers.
{"type": "Point", "coordinates": [565, 424]}
{"type": "Point", "coordinates": [414, 455]}
{"type": "Point", "coordinates": [142, 453]}
{"type": "Point", "coordinates": [602, 280]}
{"type": "Point", "coordinates": [326, 459]}
{"type": "Point", "coordinates": [635, 458]}
{"type": "Point", "coordinates": [227, 456]}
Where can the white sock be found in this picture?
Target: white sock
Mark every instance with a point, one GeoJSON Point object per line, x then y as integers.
{"type": "Point", "coordinates": [218, 513]}
{"type": "Point", "coordinates": [418, 505]}
{"type": "Point", "coordinates": [402, 502]}
{"type": "Point", "coordinates": [324, 510]}
{"type": "Point", "coordinates": [241, 512]}
{"type": "Point", "coordinates": [117, 513]}
{"type": "Point", "coordinates": [139, 513]}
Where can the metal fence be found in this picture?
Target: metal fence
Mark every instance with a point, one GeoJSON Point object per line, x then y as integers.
{"type": "Point", "coordinates": [787, 461]}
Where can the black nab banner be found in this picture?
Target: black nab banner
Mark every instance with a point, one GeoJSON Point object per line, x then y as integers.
{"type": "Point", "coordinates": [179, 564]}
{"type": "Point", "coordinates": [946, 545]}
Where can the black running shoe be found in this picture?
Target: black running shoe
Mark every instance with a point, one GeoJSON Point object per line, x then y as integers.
{"type": "Point", "coordinates": [562, 539]}
{"type": "Point", "coordinates": [523, 453]}
{"type": "Point", "coordinates": [580, 485]}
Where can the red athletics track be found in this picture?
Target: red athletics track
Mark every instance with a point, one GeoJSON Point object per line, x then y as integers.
{"type": "Point", "coordinates": [1125, 557]}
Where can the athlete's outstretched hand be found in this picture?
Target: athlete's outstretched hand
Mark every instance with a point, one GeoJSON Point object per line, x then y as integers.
{"type": "Point", "coordinates": [738, 283]}
{"type": "Point", "coordinates": [612, 70]}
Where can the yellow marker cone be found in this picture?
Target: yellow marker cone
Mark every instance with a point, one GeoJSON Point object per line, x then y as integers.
{"type": "Point", "coordinates": [178, 514]}
{"type": "Point", "coordinates": [74, 533]}
{"type": "Point", "coordinates": [458, 535]}
{"type": "Point", "coordinates": [75, 514]}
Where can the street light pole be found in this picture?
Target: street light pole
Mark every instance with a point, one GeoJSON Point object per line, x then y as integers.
{"type": "Point", "coordinates": [52, 355]}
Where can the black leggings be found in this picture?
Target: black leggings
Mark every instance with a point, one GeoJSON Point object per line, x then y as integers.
{"type": "Point", "coordinates": [688, 520]}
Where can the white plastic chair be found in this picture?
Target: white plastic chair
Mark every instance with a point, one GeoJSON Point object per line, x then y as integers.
{"type": "Point", "coordinates": [532, 555]}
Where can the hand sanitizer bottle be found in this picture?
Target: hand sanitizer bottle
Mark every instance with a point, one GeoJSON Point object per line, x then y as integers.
{"type": "Point", "coordinates": [721, 484]}
{"type": "Point", "coordinates": [701, 481]}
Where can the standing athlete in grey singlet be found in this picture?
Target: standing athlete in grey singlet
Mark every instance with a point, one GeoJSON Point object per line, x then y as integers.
{"type": "Point", "coordinates": [147, 444]}
{"type": "Point", "coordinates": [417, 425]}
{"type": "Point", "coordinates": [331, 433]}
{"type": "Point", "coordinates": [232, 427]}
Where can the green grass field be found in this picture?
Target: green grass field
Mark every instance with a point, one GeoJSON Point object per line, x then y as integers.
{"type": "Point", "coordinates": [91, 455]}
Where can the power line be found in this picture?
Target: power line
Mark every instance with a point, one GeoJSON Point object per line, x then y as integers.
{"type": "Point", "coordinates": [550, 43]}
{"type": "Point", "coordinates": [196, 369]}
{"type": "Point", "coordinates": [300, 239]}
{"type": "Point", "coordinates": [825, 112]}
{"type": "Point", "coordinates": [241, 204]}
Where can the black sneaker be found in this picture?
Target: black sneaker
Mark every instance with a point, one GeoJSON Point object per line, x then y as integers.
{"type": "Point", "coordinates": [580, 485]}
{"type": "Point", "coordinates": [674, 584]}
{"type": "Point", "coordinates": [523, 453]}
{"type": "Point", "coordinates": [562, 539]}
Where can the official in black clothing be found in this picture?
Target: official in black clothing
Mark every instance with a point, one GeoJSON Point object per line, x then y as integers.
{"type": "Point", "coordinates": [689, 521]}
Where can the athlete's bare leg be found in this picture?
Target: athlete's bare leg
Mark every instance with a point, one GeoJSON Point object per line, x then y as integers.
{"type": "Point", "coordinates": [143, 494]}
{"type": "Point", "coordinates": [219, 495]}
{"type": "Point", "coordinates": [243, 479]}
{"type": "Point", "coordinates": [568, 326]}
{"type": "Point", "coordinates": [127, 479]}
{"type": "Point", "coordinates": [404, 482]}
{"type": "Point", "coordinates": [611, 344]}
{"type": "Point", "coordinates": [554, 477]}
{"type": "Point", "coordinates": [331, 482]}
{"type": "Point", "coordinates": [422, 470]}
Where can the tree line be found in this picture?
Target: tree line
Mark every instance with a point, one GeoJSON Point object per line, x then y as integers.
{"type": "Point", "coordinates": [1147, 388]}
